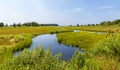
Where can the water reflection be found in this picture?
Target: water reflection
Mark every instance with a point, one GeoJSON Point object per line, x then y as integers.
{"type": "Point", "coordinates": [50, 41]}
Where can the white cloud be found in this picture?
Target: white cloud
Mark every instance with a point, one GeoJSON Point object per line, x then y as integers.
{"type": "Point", "coordinates": [77, 10]}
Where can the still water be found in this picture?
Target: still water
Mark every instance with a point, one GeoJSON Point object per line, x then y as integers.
{"type": "Point", "coordinates": [50, 41]}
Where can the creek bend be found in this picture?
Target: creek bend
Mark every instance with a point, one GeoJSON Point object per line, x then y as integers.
{"type": "Point", "coordinates": [49, 41]}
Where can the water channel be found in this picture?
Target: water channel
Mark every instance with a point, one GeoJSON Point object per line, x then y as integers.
{"type": "Point", "coordinates": [49, 41]}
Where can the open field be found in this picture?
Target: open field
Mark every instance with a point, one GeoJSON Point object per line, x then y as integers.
{"type": "Point", "coordinates": [82, 39]}
{"type": "Point", "coordinates": [103, 55]}
{"type": "Point", "coordinates": [32, 30]}
{"type": "Point", "coordinates": [53, 29]}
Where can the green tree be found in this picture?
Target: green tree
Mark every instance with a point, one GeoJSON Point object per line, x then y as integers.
{"type": "Point", "coordinates": [77, 24]}
{"type": "Point", "coordinates": [19, 24]}
{"type": "Point", "coordinates": [34, 24]}
{"type": "Point", "coordinates": [6, 25]}
{"type": "Point", "coordinates": [1, 24]}
{"type": "Point", "coordinates": [14, 25]}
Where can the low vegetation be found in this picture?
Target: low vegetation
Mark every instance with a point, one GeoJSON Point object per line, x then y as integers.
{"type": "Point", "coordinates": [104, 55]}
{"type": "Point", "coordinates": [11, 43]}
{"type": "Point", "coordinates": [33, 30]}
{"type": "Point", "coordinates": [82, 39]}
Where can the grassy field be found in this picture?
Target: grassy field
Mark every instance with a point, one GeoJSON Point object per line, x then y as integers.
{"type": "Point", "coordinates": [32, 30]}
{"type": "Point", "coordinates": [104, 55]}
{"type": "Point", "coordinates": [82, 39]}
{"type": "Point", "coordinates": [97, 28]}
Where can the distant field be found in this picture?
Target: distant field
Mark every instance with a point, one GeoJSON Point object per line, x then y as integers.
{"type": "Point", "coordinates": [97, 28]}
{"type": "Point", "coordinates": [53, 29]}
{"type": "Point", "coordinates": [32, 30]}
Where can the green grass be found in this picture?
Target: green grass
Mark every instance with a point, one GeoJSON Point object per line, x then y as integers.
{"type": "Point", "coordinates": [40, 59]}
{"type": "Point", "coordinates": [108, 52]}
{"type": "Point", "coordinates": [82, 39]}
{"type": "Point", "coordinates": [32, 30]}
{"type": "Point", "coordinates": [15, 42]}
{"type": "Point", "coordinates": [96, 28]}
{"type": "Point", "coordinates": [11, 43]}
{"type": "Point", "coordinates": [104, 55]}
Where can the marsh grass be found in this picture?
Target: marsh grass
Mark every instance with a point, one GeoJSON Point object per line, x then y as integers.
{"type": "Point", "coordinates": [96, 28]}
{"type": "Point", "coordinates": [81, 39]}
{"type": "Point", "coordinates": [33, 30]}
{"type": "Point", "coordinates": [13, 43]}
{"type": "Point", "coordinates": [107, 52]}
{"type": "Point", "coordinates": [104, 55]}
{"type": "Point", "coordinates": [40, 59]}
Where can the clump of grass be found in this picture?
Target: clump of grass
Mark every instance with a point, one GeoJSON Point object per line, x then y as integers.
{"type": "Point", "coordinates": [5, 54]}
{"type": "Point", "coordinates": [109, 46]}
{"type": "Point", "coordinates": [15, 42]}
{"type": "Point", "coordinates": [33, 60]}
{"type": "Point", "coordinates": [44, 60]}
{"type": "Point", "coordinates": [80, 39]}
{"type": "Point", "coordinates": [108, 52]}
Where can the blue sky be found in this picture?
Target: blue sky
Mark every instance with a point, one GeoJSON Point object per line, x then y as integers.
{"type": "Point", "coordinates": [63, 12]}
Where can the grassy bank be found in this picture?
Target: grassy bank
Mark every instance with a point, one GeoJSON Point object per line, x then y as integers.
{"type": "Point", "coordinates": [15, 42]}
{"type": "Point", "coordinates": [82, 39]}
{"type": "Point", "coordinates": [11, 43]}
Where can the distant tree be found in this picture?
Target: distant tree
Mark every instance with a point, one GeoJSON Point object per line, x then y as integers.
{"type": "Point", "coordinates": [88, 25]}
{"type": "Point", "coordinates": [34, 24]}
{"type": "Point", "coordinates": [49, 25]}
{"type": "Point", "coordinates": [103, 23]}
{"type": "Point", "coordinates": [85, 25]}
{"type": "Point", "coordinates": [31, 24]}
{"type": "Point", "coordinates": [77, 24]}
{"type": "Point", "coordinates": [19, 24]}
{"type": "Point", "coordinates": [14, 25]}
{"type": "Point", "coordinates": [92, 24]}
{"type": "Point", "coordinates": [81, 25]}
{"type": "Point", "coordinates": [70, 25]}
{"type": "Point", "coordinates": [97, 24]}
{"type": "Point", "coordinates": [26, 24]}
{"type": "Point", "coordinates": [6, 25]}
{"type": "Point", "coordinates": [116, 21]}
{"type": "Point", "coordinates": [106, 23]}
{"type": "Point", "coordinates": [1, 24]}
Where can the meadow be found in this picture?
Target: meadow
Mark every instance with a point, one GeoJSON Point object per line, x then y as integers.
{"type": "Point", "coordinates": [103, 55]}
{"type": "Point", "coordinates": [82, 39]}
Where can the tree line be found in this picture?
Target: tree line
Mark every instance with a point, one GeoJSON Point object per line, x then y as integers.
{"type": "Point", "coordinates": [27, 24]}
{"type": "Point", "coordinates": [104, 23]}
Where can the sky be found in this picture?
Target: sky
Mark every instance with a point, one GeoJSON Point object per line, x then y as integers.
{"type": "Point", "coordinates": [62, 12]}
